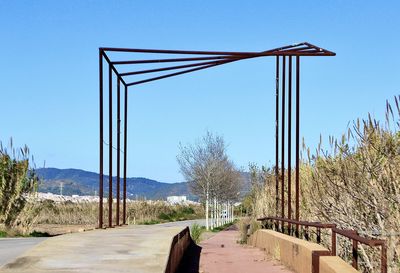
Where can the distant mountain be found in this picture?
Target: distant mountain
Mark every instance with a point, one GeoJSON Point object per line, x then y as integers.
{"type": "Point", "coordinates": [80, 182]}
{"type": "Point", "coordinates": [75, 181]}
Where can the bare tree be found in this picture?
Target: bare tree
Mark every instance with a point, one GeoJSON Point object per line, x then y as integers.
{"type": "Point", "coordinates": [210, 173]}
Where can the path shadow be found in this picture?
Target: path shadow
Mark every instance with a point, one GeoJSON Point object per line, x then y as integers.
{"type": "Point", "coordinates": [190, 262]}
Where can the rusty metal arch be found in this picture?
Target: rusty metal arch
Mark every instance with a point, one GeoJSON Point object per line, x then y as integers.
{"type": "Point", "coordinates": [199, 60]}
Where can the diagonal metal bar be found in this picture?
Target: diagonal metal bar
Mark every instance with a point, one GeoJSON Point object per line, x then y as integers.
{"type": "Point", "coordinates": [264, 53]}
{"type": "Point", "coordinates": [180, 73]}
{"type": "Point", "coordinates": [112, 66]}
{"type": "Point", "coordinates": [320, 49]}
{"type": "Point", "coordinates": [166, 68]}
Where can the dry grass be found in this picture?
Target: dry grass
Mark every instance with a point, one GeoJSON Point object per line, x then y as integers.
{"type": "Point", "coordinates": [48, 213]}
{"type": "Point", "coordinates": [355, 184]}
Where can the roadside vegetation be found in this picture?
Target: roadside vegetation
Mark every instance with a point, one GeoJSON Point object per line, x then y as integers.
{"type": "Point", "coordinates": [199, 233]}
{"type": "Point", "coordinates": [212, 177]}
{"type": "Point", "coordinates": [355, 183]}
{"type": "Point", "coordinates": [60, 217]}
{"type": "Point", "coordinates": [17, 180]}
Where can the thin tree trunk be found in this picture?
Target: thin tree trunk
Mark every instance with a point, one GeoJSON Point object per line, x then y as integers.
{"type": "Point", "coordinates": [207, 211]}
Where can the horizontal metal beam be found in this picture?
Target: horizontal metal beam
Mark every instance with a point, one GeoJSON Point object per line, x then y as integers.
{"type": "Point", "coordinates": [299, 49]}
{"type": "Point", "coordinates": [169, 60]}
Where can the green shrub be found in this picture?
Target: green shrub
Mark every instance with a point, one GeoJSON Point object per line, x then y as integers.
{"type": "Point", "coordinates": [195, 232]}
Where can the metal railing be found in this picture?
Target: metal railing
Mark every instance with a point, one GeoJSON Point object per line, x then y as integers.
{"type": "Point", "coordinates": [279, 224]}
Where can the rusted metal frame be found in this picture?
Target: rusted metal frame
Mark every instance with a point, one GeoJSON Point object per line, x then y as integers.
{"type": "Point", "coordinates": [353, 235]}
{"type": "Point", "coordinates": [125, 151]}
{"type": "Point", "coordinates": [110, 195]}
{"type": "Point", "coordinates": [309, 50]}
{"type": "Point", "coordinates": [101, 139]}
{"type": "Point", "coordinates": [355, 254]}
{"type": "Point", "coordinates": [383, 258]}
{"type": "Point", "coordinates": [228, 60]}
{"type": "Point", "coordinates": [168, 60]}
{"type": "Point", "coordinates": [315, 259]}
{"type": "Point", "coordinates": [166, 68]}
{"type": "Point", "coordinates": [167, 51]}
{"type": "Point", "coordinates": [305, 226]}
{"type": "Point", "coordinates": [274, 52]}
{"type": "Point", "coordinates": [297, 182]}
{"type": "Point", "coordinates": [180, 73]}
{"type": "Point", "coordinates": [289, 167]}
{"type": "Point", "coordinates": [277, 139]}
{"type": "Point", "coordinates": [318, 235]}
{"type": "Point", "coordinates": [195, 52]}
{"type": "Point", "coordinates": [300, 53]}
{"type": "Point", "coordinates": [333, 243]}
{"type": "Point", "coordinates": [303, 223]}
{"type": "Point", "coordinates": [306, 233]}
{"type": "Point", "coordinates": [297, 48]}
{"type": "Point", "coordinates": [283, 141]}
{"type": "Point", "coordinates": [118, 148]}
{"type": "Point", "coordinates": [320, 49]}
{"type": "Point", "coordinates": [113, 67]}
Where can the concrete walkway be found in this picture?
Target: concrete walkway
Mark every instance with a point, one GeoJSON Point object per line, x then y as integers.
{"type": "Point", "coordinates": [222, 254]}
{"type": "Point", "coordinates": [10, 248]}
{"type": "Point", "coordinates": [125, 249]}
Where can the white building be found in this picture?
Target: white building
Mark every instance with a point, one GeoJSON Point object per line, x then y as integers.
{"type": "Point", "coordinates": [176, 199]}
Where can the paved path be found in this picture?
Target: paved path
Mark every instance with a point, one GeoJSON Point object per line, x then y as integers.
{"type": "Point", "coordinates": [221, 254]}
{"type": "Point", "coordinates": [10, 248]}
{"type": "Point", "coordinates": [139, 249]}
{"type": "Point", "coordinates": [186, 223]}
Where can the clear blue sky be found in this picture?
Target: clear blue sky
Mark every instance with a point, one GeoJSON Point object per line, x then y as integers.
{"type": "Point", "coordinates": [49, 75]}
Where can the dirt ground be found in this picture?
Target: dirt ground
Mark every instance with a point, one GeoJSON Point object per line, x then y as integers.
{"type": "Point", "coordinates": [53, 229]}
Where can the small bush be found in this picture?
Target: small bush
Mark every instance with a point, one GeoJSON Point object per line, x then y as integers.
{"type": "Point", "coordinates": [242, 226]}
{"type": "Point", "coordinates": [195, 232]}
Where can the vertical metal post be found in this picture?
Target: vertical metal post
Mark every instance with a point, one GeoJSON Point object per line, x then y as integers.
{"type": "Point", "coordinates": [297, 142]}
{"type": "Point", "coordinates": [289, 167]}
{"type": "Point", "coordinates": [306, 235]}
{"type": "Point", "coordinates": [283, 142]}
{"type": "Point", "coordinates": [277, 138]}
{"type": "Point", "coordinates": [118, 147]}
{"type": "Point", "coordinates": [101, 139]}
{"type": "Point", "coordinates": [318, 235]}
{"type": "Point", "coordinates": [383, 258]}
{"type": "Point", "coordinates": [333, 248]}
{"type": "Point", "coordinates": [110, 195]}
{"type": "Point", "coordinates": [125, 149]}
{"type": "Point", "coordinates": [355, 254]}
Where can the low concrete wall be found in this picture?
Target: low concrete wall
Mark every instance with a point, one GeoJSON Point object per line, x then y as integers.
{"type": "Point", "coordinates": [179, 244]}
{"type": "Point", "coordinates": [297, 254]}
{"type": "Point", "coordinates": [292, 252]}
{"type": "Point", "coordinates": [334, 264]}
